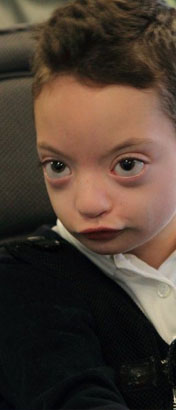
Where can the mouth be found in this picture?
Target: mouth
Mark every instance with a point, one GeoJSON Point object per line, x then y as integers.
{"type": "Point", "coordinates": [100, 234]}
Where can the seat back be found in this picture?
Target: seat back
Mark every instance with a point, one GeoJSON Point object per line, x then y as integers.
{"type": "Point", "coordinates": [24, 204]}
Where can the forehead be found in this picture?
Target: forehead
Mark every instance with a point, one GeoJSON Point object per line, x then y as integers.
{"type": "Point", "coordinates": [71, 94]}
{"type": "Point", "coordinates": [68, 111]}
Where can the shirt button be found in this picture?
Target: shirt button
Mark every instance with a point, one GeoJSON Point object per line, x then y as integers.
{"type": "Point", "coordinates": [163, 290]}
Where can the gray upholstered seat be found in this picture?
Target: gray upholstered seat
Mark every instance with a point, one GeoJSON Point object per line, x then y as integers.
{"type": "Point", "coordinates": [24, 204]}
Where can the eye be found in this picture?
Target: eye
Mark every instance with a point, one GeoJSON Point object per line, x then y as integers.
{"type": "Point", "coordinates": [56, 169]}
{"type": "Point", "coordinates": [129, 167]}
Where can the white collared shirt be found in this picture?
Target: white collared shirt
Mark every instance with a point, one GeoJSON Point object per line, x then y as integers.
{"type": "Point", "coordinates": [153, 290]}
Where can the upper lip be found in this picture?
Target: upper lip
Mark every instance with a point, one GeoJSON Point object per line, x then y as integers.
{"type": "Point", "coordinates": [96, 230]}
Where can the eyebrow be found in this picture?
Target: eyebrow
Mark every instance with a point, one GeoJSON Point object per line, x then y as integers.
{"type": "Point", "coordinates": [130, 143]}
{"type": "Point", "coordinates": [46, 147]}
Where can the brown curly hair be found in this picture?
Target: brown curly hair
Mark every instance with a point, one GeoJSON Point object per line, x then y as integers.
{"type": "Point", "coordinates": [127, 42]}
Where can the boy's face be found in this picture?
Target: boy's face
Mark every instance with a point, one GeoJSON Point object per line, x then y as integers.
{"type": "Point", "coordinates": [109, 160]}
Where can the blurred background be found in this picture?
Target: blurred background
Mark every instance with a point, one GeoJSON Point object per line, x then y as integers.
{"type": "Point", "coordinates": [172, 2]}
{"type": "Point", "coordinates": [26, 11]}
{"type": "Point", "coordinates": [31, 11]}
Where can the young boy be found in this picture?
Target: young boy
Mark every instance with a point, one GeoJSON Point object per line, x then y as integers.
{"type": "Point", "coordinates": [88, 306]}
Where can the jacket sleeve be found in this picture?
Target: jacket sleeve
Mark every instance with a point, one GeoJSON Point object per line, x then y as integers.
{"type": "Point", "coordinates": [50, 356]}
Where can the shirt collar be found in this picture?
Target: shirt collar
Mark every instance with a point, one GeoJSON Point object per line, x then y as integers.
{"type": "Point", "coordinates": [124, 262]}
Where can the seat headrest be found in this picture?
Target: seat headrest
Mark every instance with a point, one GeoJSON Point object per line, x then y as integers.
{"type": "Point", "coordinates": [24, 203]}
{"type": "Point", "coordinates": [16, 50]}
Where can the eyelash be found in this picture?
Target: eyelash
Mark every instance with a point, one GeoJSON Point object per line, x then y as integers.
{"type": "Point", "coordinates": [43, 164]}
{"type": "Point", "coordinates": [133, 160]}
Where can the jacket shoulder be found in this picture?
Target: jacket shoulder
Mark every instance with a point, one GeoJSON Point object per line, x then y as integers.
{"type": "Point", "coordinates": [5, 257]}
{"type": "Point", "coordinates": [42, 239]}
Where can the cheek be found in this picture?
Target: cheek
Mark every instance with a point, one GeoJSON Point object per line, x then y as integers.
{"type": "Point", "coordinates": [148, 202]}
{"type": "Point", "coordinates": [157, 205]}
{"type": "Point", "coordinates": [61, 204]}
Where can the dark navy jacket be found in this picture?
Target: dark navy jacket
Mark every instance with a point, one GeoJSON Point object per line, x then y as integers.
{"type": "Point", "coordinates": [71, 338]}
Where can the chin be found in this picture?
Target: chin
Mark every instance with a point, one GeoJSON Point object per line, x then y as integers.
{"type": "Point", "coordinates": [104, 248]}
{"type": "Point", "coordinates": [112, 247]}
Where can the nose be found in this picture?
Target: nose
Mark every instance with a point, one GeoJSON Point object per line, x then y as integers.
{"type": "Point", "coordinates": [92, 199]}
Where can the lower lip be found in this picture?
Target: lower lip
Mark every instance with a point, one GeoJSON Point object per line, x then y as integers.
{"type": "Point", "coordinates": [96, 236]}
